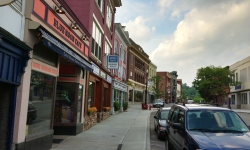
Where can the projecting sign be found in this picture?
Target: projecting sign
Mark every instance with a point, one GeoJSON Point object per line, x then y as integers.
{"type": "Point", "coordinates": [113, 62]}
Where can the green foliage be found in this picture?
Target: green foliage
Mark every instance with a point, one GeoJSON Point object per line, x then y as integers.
{"type": "Point", "coordinates": [125, 105]}
{"type": "Point", "coordinates": [213, 81]}
{"type": "Point", "coordinates": [156, 87]}
{"type": "Point", "coordinates": [117, 105]}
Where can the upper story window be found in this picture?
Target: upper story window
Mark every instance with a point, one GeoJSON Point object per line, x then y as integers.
{"type": "Point", "coordinates": [109, 17]}
{"type": "Point", "coordinates": [18, 5]}
{"type": "Point", "coordinates": [116, 47]}
{"type": "Point", "coordinates": [243, 75]}
{"type": "Point", "coordinates": [100, 4]}
{"type": "Point", "coordinates": [107, 52]}
{"type": "Point", "coordinates": [96, 41]}
{"type": "Point", "coordinates": [121, 52]}
{"type": "Point", "coordinates": [125, 57]}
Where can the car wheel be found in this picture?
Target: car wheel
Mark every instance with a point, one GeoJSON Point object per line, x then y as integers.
{"type": "Point", "coordinates": [167, 144]}
{"type": "Point", "coordinates": [158, 134]}
{"type": "Point", "coordinates": [155, 128]}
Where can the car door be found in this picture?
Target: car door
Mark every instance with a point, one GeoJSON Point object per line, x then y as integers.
{"type": "Point", "coordinates": [171, 131]}
{"type": "Point", "coordinates": [180, 134]}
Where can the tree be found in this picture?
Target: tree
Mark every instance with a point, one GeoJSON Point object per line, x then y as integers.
{"type": "Point", "coordinates": [156, 87]}
{"type": "Point", "coordinates": [212, 82]}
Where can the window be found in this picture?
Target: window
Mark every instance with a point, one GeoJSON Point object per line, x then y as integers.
{"type": "Point", "coordinates": [100, 4]}
{"type": "Point", "coordinates": [243, 75]}
{"type": "Point", "coordinates": [125, 57]}
{"type": "Point", "coordinates": [40, 102]}
{"type": "Point", "coordinates": [91, 94]}
{"type": "Point", "coordinates": [107, 52]}
{"type": "Point", "coordinates": [96, 41]}
{"type": "Point", "coordinates": [233, 99]}
{"type": "Point", "coordinates": [236, 77]}
{"type": "Point", "coordinates": [109, 17]}
{"type": "Point", "coordinates": [18, 5]}
{"type": "Point", "coordinates": [116, 46]}
{"type": "Point", "coordinates": [65, 110]}
{"type": "Point", "coordinates": [243, 98]}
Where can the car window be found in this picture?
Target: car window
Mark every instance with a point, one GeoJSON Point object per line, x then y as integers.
{"type": "Point", "coordinates": [215, 120]}
{"type": "Point", "coordinates": [170, 113]}
{"type": "Point", "coordinates": [180, 118]}
{"type": "Point", "coordinates": [175, 115]}
{"type": "Point", "coordinates": [164, 114]}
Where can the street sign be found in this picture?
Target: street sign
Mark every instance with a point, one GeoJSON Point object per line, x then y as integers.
{"type": "Point", "coordinates": [113, 62]}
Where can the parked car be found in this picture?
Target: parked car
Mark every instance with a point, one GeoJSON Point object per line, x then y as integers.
{"type": "Point", "coordinates": [32, 113]}
{"type": "Point", "coordinates": [160, 122]}
{"type": "Point", "coordinates": [195, 126]}
{"type": "Point", "coordinates": [158, 103]}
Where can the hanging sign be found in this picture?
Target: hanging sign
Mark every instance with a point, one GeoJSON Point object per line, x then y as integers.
{"type": "Point", "coordinates": [113, 62]}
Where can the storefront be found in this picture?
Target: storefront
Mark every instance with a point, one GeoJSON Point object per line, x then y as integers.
{"type": "Point", "coordinates": [136, 92]}
{"type": "Point", "coordinates": [119, 93]}
{"type": "Point", "coordinates": [99, 91]}
{"type": "Point", "coordinates": [56, 76]}
{"type": "Point", "coordinates": [14, 55]}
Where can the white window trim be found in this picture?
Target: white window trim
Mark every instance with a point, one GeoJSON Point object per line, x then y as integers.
{"type": "Point", "coordinates": [108, 41]}
{"type": "Point", "coordinates": [98, 24]}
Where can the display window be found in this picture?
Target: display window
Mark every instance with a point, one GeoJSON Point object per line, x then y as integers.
{"type": "Point", "coordinates": [91, 94]}
{"type": "Point", "coordinates": [40, 102]}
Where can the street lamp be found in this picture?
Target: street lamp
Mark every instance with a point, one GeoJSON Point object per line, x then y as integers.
{"type": "Point", "coordinates": [229, 96]}
{"type": "Point", "coordinates": [146, 92]}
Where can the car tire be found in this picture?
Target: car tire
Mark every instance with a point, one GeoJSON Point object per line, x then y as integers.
{"type": "Point", "coordinates": [29, 120]}
{"type": "Point", "coordinates": [155, 128]}
{"type": "Point", "coordinates": [158, 135]}
{"type": "Point", "coordinates": [167, 144]}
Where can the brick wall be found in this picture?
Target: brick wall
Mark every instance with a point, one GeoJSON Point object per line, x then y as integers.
{"type": "Point", "coordinates": [5, 90]}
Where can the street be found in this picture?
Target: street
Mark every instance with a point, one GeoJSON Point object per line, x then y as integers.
{"type": "Point", "coordinates": [157, 144]}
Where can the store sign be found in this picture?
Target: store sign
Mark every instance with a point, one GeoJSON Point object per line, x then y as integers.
{"type": "Point", "coordinates": [113, 62]}
{"type": "Point", "coordinates": [65, 31]}
{"type": "Point", "coordinates": [103, 75]}
{"type": "Point", "coordinates": [96, 69]}
{"type": "Point", "coordinates": [120, 86]}
{"type": "Point", "coordinates": [109, 79]}
{"type": "Point", "coordinates": [238, 87]}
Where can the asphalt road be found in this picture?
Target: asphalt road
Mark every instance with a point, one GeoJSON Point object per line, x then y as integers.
{"type": "Point", "coordinates": [157, 144]}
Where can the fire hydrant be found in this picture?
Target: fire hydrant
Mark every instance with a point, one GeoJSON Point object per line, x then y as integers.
{"type": "Point", "coordinates": [149, 107]}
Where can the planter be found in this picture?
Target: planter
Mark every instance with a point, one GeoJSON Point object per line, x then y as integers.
{"type": "Point", "coordinates": [90, 121]}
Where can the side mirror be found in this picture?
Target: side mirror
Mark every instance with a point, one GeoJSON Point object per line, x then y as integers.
{"type": "Point", "coordinates": [177, 126]}
{"type": "Point", "coordinates": [155, 117]}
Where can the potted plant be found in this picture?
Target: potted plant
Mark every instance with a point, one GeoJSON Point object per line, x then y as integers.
{"type": "Point", "coordinates": [92, 110]}
{"type": "Point", "coordinates": [125, 106]}
{"type": "Point", "coordinates": [117, 105]}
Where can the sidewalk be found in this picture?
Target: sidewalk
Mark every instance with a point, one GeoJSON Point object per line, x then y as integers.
{"type": "Point", "coordinates": [123, 131]}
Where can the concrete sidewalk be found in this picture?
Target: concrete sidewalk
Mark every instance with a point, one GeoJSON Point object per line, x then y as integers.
{"type": "Point", "coordinates": [125, 131]}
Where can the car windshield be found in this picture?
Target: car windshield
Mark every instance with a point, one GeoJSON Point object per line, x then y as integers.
{"type": "Point", "coordinates": [158, 101]}
{"type": "Point", "coordinates": [215, 121]}
{"type": "Point", "coordinates": [164, 114]}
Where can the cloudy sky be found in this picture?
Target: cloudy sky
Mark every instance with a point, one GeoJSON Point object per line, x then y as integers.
{"type": "Point", "coordinates": [185, 35]}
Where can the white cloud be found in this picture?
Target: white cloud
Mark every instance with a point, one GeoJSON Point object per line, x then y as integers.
{"type": "Point", "coordinates": [209, 34]}
{"type": "Point", "coordinates": [138, 31]}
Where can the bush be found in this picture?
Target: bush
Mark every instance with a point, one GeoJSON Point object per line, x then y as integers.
{"type": "Point", "coordinates": [125, 105]}
{"type": "Point", "coordinates": [117, 105]}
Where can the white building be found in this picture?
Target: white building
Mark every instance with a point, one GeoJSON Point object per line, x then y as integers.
{"type": "Point", "coordinates": [240, 95]}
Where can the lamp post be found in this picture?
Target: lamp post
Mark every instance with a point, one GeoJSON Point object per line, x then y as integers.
{"type": "Point", "coordinates": [146, 92]}
{"type": "Point", "coordinates": [229, 95]}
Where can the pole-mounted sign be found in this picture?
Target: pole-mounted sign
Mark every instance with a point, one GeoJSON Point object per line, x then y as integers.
{"type": "Point", "coordinates": [113, 62]}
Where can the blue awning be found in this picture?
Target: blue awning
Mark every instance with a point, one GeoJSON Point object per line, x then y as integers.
{"type": "Point", "coordinates": [64, 51]}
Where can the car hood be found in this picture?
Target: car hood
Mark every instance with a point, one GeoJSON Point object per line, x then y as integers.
{"type": "Point", "coordinates": [162, 123]}
{"type": "Point", "coordinates": [158, 103]}
{"type": "Point", "coordinates": [221, 141]}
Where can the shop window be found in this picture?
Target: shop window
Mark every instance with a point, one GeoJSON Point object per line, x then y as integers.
{"type": "Point", "coordinates": [40, 102]}
{"type": "Point", "coordinates": [45, 54]}
{"type": "Point", "coordinates": [65, 103]}
{"type": "Point", "coordinates": [91, 94]}
{"type": "Point", "coordinates": [138, 95]}
{"type": "Point", "coordinates": [79, 105]}
{"type": "Point", "coordinates": [243, 98]}
{"type": "Point", "coordinates": [233, 100]}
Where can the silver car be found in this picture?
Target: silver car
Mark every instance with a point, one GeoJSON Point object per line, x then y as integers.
{"type": "Point", "coordinates": [158, 103]}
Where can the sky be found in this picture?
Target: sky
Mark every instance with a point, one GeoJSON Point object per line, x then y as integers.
{"type": "Point", "coordinates": [185, 35]}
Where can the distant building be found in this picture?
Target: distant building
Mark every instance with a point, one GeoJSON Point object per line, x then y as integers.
{"type": "Point", "coordinates": [240, 94]}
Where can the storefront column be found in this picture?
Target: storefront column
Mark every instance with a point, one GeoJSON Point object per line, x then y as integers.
{"type": "Point", "coordinates": [133, 96]}
{"type": "Point", "coordinates": [112, 102]}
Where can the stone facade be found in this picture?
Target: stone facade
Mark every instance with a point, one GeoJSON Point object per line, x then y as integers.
{"type": "Point", "coordinates": [90, 121]}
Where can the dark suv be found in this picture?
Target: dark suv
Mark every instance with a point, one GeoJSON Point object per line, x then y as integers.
{"type": "Point", "coordinates": [205, 127]}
